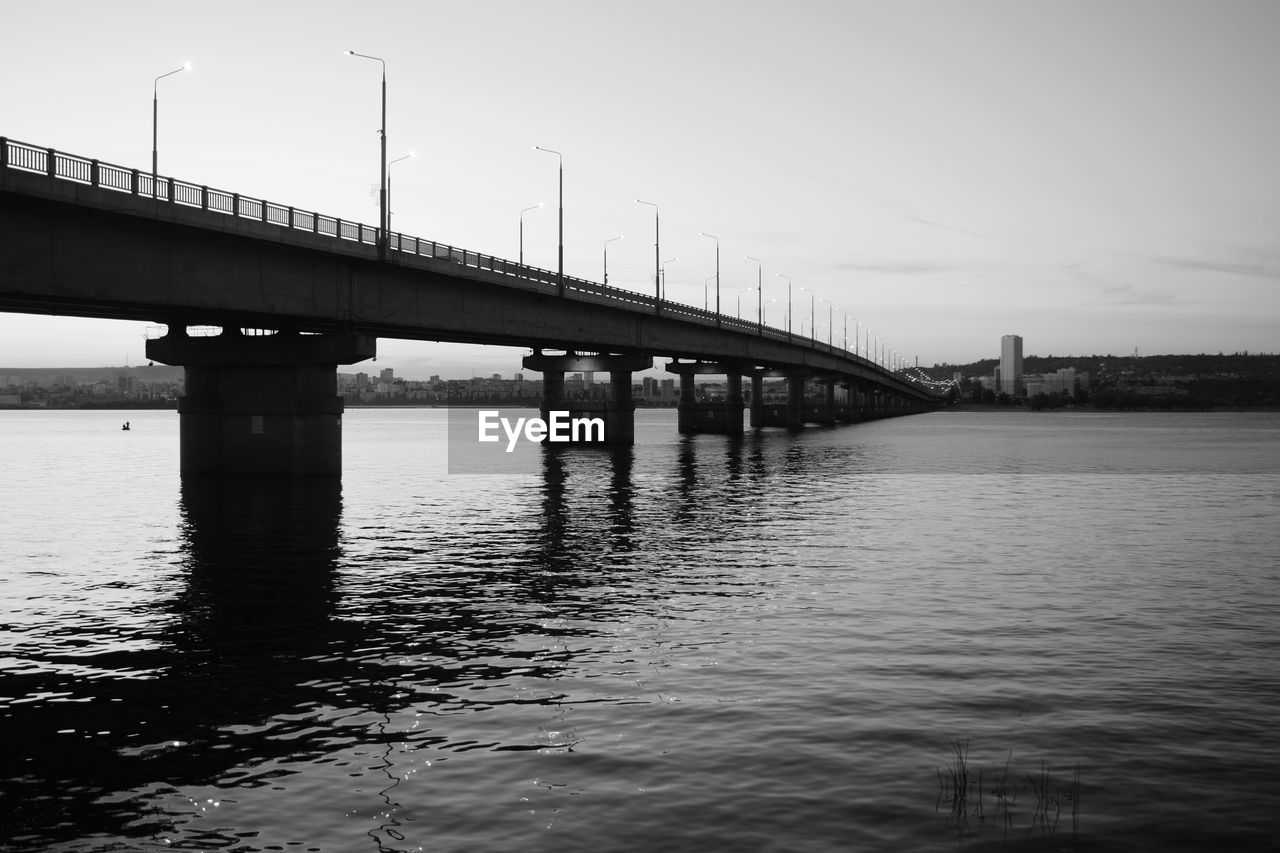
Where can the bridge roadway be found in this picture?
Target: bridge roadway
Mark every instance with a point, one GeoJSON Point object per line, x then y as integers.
{"type": "Point", "coordinates": [83, 238]}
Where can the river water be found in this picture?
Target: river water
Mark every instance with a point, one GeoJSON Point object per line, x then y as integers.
{"type": "Point", "coordinates": [779, 642]}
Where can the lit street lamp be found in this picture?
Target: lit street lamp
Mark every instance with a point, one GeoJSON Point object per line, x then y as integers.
{"type": "Point", "coordinates": [812, 305]}
{"type": "Point", "coordinates": [408, 156]}
{"type": "Point", "coordinates": [155, 120]}
{"type": "Point", "coordinates": [788, 278]}
{"type": "Point", "coordinates": [664, 274]}
{"type": "Point", "coordinates": [657, 267]}
{"type": "Point", "coordinates": [717, 239]}
{"type": "Point", "coordinates": [606, 256]}
{"type": "Point", "coordinates": [560, 255]}
{"type": "Point", "coordinates": [382, 194]}
{"type": "Point", "coordinates": [759, 293]}
{"type": "Point", "coordinates": [522, 213]}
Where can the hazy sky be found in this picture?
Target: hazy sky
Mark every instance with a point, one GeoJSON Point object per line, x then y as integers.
{"type": "Point", "coordinates": [1092, 175]}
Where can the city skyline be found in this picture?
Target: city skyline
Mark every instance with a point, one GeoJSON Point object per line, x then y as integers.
{"type": "Point", "coordinates": [1098, 177]}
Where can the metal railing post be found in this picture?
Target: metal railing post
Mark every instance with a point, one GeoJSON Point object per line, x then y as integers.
{"type": "Point", "coordinates": [235, 205]}
{"type": "Point", "coordinates": [133, 181]}
{"type": "Point", "coordinates": [4, 153]}
{"type": "Point", "coordinates": [51, 163]}
{"type": "Point", "coordinates": [290, 216]}
{"type": "Point", "coordinates": [263, 213]}
{"type": "Point", "coordinates": [204, 198]}
{"type": "Point", "coordinates": [93, 173]}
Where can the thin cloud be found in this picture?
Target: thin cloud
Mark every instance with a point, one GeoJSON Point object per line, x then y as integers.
{"type": "Point", "coordinates": [913, 218]}
{"type": "Point", "coordinates": [899, 267]}
{"type": "Point", "coordinates": [1255, 270]}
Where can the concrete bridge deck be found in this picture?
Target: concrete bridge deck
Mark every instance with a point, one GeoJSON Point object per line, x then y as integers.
{"type": "Point", "coordinates": [84, 238]}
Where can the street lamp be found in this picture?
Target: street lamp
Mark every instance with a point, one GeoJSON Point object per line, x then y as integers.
{"type": "Point", "coordinates": [812, 305]}
{"type": "Point", "coordinates": [706, 286]}
{"type": "Point", "coordinates": [830, 317]}
{"type": "Point", "coordinates": [766, 312]}
{"type": "Point", "coordinates": [408, 156]}
{"type": "Point", "coordinates": [560, 262]}
{"type": "Point", "coordinates": [382, 194]}
{"type": "Point", "coordinates": [606, 256]}
{"type": "Point", "coordinates": [155, 120]}
{"type": "Point", "coordinates": [740, 292]}
{"type": "Point", "coordinates": [657, 267]}
{"type": "Point", "coordinates": [788, 278]}
{"type": "Point", "coordinates": [759, 292]}
{"type": "Point", "coordinates": [717, 239]}
{"type": "Point", "coordinates": [522, 213]}
{"type": "Point", "coordinates": [664, 274]}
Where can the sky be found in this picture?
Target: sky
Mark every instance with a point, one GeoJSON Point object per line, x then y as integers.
{"type": "Point", "coordinates": [1097, 176]}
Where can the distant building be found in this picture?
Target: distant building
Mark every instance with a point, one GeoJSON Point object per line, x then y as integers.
{"type": "Point", "coordinates": [1011, 365]}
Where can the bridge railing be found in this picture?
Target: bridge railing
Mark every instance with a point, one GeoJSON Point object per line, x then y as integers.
{"type": "Point", "coordinates": [83, 170]}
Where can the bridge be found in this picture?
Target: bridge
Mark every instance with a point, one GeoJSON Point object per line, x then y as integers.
{"type": "Point", "coordinates": [297, 293]}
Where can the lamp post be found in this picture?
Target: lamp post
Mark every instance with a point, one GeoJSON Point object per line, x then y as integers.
{"type": "Point", "coordinates": [717, 239]}
{"type": "Point", "coordinates": [664, 274]}
{"type": "Point", "coordinates": [845, 344]}
{"type": "Point", "coordinates": [560, 255]}
{"type": "Point", "coordinates": [657, 267]}
{"type": "Point", "coordinates": [606, 256]}
{"type": "Point", "coordinates": [155, 121]}
{"type": "Point", "coordinates": [830, 317]}
{"type": "Point", "coordinates": [522, 213]}
{"type": "Point", "coordinates": [812, 305]}
{"type": "Point", "coordinates": [408, 156]}
{"type": "Point", "coordinates": [382, 194]}
{"type": "Point", "coordinates": [706, 288]}
{"type": "Point", "coordinates": [788, 278]}
{"type": "Point", "coordinates": [759, 293]}
{"type": "Point", "coordinates": [766, 312]}
{"type": "Point", "coordinates": [740, 292]}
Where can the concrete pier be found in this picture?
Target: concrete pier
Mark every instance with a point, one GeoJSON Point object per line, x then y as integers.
{"type": "Point", "coordinates": [260, 404]}
{"type": "Point", "coordinates": [790, 414]}
{"type": "Point", "coordinates": [709, 416]}
{"type": "Point", "coordinates": [617, 410]}
{"type": "Point", "coordinates": [822, 411]}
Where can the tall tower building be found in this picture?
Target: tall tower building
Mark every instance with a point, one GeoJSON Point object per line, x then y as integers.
{"type": "Point", "coordinates": [1011, 364]}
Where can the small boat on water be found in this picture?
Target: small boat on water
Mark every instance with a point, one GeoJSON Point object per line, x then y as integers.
{"type": "Point", "coordinates": [125, 425]}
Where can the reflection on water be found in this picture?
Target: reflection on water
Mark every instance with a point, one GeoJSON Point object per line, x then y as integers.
{"type": "Point", "coordinates": [700, 642]}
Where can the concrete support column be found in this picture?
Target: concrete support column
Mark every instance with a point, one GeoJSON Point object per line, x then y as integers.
{"type": "Point", "coordinates": [620, 388]}
{"type": "Point", "coordinates": [711, 416]}
{"type": "Point", "coordinates": [261, 404]}
{"type": "Point", "coordinates": [764, 413]}
{"type": "Point", "coordinates": [617, 410]}
{"type": "Point", "coordinates": [795, 398]}
{"type": "Point", "coordinates": [826, 412]}
{"type": "Point", "coordinates": [686, 390]}
{"type": "Point", "coordinates": [552, 388]}
{"type": "Point", "coordinates": [734, 397]}
{"type": "Point", "coordinates": [847, 409]}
